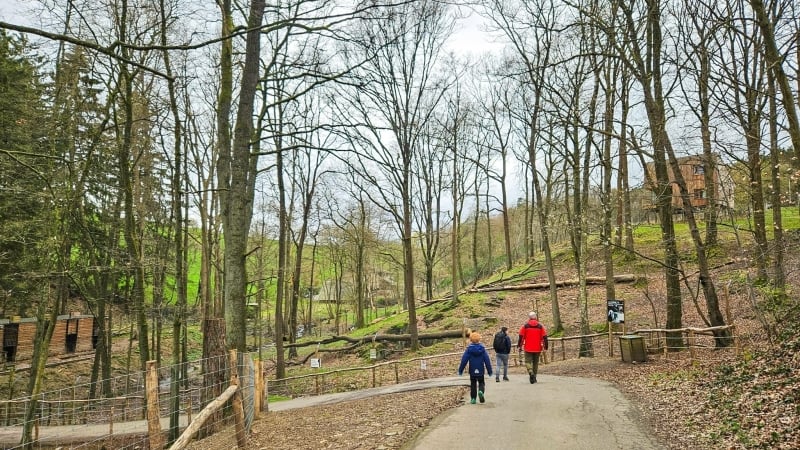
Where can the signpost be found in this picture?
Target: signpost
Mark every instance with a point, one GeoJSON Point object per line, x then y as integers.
{"type": "Point", "coordinates": [616, 311]}
{"type": "Point", "coordinates": [615, 315]}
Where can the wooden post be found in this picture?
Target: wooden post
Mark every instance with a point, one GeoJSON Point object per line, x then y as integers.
{"type": "Point", "coordinates": [266, 395]}
{"type": "Point", "coordinates": [396, 374]}
{"type": "Point", "coordinates": [563, 350]}
{"type": "Point", "coordinates": [691, 345]}
{"type": "Point", "coordinates": [189, 409]}
{"type": "Point", "coordinates": [259, 400]}
{"type": "Point", "coordinates": [316, 384]}
{"type": "Point", "coordinates": [373, 376]}
{"type": "Point", "coordinates": [156, 440]}
{"type": "Point", "coordinates": [238, 408]}
{"type": "Point", "coordinates": [210, 409]}
{"type": "Point", "coordinates": [111, 420]}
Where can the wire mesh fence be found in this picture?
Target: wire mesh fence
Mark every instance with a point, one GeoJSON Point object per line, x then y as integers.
{"type": "Point", "coordinates": [147, 409]}
{"type": "Point", "coordinates": [365, 377]}
{"type": "Point", "coordinates": [113, 412]}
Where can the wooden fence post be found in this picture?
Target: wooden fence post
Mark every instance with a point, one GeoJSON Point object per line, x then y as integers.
{"type": "Point", "coordinates": [266, 395]}
{"type": "Point", "coordinates": [259, 395]}
{"type": "Point", "coordinates": [156, 440]}
{"type": "Point", "coordinates": [238, 408]}
{"type": "Point", "coordinates": [189, 409]}
{"type": "Point", "coordinates": [691, 345]}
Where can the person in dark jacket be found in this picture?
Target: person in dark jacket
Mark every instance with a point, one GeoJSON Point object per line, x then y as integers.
{"type": "Point", "coordinates": [532, 339]}
{"type": "Point", "coordinates": [502, 348]}
{"type": "Point", "coordinates": [478, 358]}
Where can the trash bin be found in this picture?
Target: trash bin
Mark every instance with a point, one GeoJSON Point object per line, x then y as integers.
{"type": "Point", "coordinates": [632, 348]}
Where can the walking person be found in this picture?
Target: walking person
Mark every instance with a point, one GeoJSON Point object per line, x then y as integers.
{"type": "Point", "coordinates": [478, 359]}
{"type": "Point", "coordinates": [502, 348]}
{"type": "Point", "coordinates": [532, 339]}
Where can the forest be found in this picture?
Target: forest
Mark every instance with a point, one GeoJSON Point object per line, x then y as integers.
{"type": "Point", "coordinates": [182, 162]}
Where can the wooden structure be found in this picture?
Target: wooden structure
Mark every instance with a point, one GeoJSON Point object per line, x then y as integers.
{"type": "Point", "coordinates": [693, 169]}
{"type": "Point", "coordinates": [74, 333]}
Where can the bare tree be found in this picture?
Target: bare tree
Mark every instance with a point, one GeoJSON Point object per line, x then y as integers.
{"type": "Point", "coordinates": [740, 72]}
{"type": "Point", "coordinates": [393, 101]}
{"type": "Point", "coordinates": [497, 117]}
{"type": "Point", "coordinates": [530, 29]}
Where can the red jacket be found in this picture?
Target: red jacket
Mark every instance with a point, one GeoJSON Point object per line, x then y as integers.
{"type": "Point", "coordinates": [532, 337]}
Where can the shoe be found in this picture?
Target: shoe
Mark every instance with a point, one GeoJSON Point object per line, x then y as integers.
{"type": "Point", "coordinates": [505, 378]}
{"type": "Point", "coordinates": [497, 380]}
{"type": "Point", "coordinates": [472, 400]}
{"type": "Point", "coordinates": [532, 378]}
{"type": "Point", "coordinates": [480, 396]}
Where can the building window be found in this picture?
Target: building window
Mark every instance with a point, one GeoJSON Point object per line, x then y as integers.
{"type": "Point", "coordinates": [10, 340]}
{"type": "Point", "coordinates": [71, 335]}
{"type": "Point", "coordinates": [699, 170]}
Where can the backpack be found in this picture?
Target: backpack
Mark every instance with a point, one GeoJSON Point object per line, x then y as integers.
{"type": "Point", "coordinates": [499, 341]}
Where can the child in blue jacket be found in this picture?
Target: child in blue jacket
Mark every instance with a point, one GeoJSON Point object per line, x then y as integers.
{"type": "Point", "coordinates": [478, 358]}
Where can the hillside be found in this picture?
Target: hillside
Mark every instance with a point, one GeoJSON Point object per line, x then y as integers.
{"type": "Point", "coordinates": [721, 399]}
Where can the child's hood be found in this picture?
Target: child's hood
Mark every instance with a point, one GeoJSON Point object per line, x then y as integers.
{"type": "Point", "coordinates": [475, 349]}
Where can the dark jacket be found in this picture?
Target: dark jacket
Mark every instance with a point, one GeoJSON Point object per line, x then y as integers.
{"type": "Point", "coordinates": [477, 357]}
{"type": "Point", "coordinates": [505, 347]}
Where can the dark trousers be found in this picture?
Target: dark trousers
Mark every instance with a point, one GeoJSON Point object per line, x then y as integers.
{"type": "Point", "coordinates": [476, 383]}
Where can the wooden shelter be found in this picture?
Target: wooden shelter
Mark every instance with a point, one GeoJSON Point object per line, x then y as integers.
{"type": "Point", "coordinates": [693, 169]}
{"type": "Point", "coordinates": [74, 333]}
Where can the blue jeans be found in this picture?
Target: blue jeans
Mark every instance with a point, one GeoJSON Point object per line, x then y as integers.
{"type": "Point", "coordinates": [502, 361]}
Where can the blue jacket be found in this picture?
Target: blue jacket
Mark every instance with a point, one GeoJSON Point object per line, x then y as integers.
{"type": "Point", "coordinates": [477, 357]}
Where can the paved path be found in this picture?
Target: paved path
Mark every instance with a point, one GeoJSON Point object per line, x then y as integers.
{"type": "Point", "coordinates": [557, 413]}
{"type": "Point", "coordinates": [70, 434]}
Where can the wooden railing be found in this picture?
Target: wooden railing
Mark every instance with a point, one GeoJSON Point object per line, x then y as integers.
{"type": "Point", "coordinates": [395, 372]}
{"type": "Point", "coordinates": [363, 377]}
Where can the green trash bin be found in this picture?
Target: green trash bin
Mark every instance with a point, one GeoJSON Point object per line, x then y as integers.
{"type": "Point", "coordinates": [632, 348]}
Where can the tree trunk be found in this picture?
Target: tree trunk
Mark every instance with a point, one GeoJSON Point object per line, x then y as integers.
{"type": "Point", "coordinates": [237, 210]}
{"type": "Point", "coordinates": [775, 65]}
{"type": "Point", "coordinates": [624, 220]}
{"type": "Point", "coordinates": [610, 71]}
{"type": "Point", "coordinates": [283, 244]}
{"type": "Point", "coordinates": [779, 276]}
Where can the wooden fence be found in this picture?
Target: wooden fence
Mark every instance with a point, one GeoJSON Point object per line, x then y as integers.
{"type": "Point", "coordinates": [75, 411]}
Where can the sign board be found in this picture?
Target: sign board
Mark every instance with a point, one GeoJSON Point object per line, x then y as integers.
{"type": "Point", "coordinates": [316, 363]}
{"type": "Point", "coordinates": [423, 365]}
{"type": "Point", "coordinates": [616, 311]}
{"type": "Point", "coordinates": [373, 353]}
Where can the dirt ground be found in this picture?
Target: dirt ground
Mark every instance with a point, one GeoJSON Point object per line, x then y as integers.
{"type": "Point", "coordinates": [391, 421]}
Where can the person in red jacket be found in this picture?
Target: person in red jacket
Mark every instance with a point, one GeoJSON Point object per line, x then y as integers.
{"type": "Point", "coordinates": [532, 339]}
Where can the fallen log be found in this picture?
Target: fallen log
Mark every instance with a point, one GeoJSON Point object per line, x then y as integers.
{"type": "Point", "coordinates": [378, 338]}
{"type": "Point", "coordinates": [211, 408]}
{"type": "Point", "coordinates": [626, 278]}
